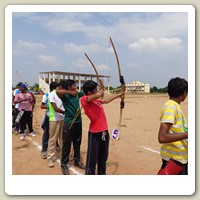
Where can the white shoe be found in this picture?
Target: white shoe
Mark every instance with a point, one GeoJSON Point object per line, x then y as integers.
{"type": "Point", "coordinates": [16, 132]}
{"type": "Point", "coordinates": [21, 136]}
{"type": "Point", "coordinates": [32, 134]}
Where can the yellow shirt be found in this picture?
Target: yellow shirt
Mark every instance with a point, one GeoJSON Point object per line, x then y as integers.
{"type": "Point", "coordinates": [172, 113]}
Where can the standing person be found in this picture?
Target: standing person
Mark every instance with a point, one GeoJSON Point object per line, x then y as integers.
{"type": "Point", "coordinates": [33, 102]}
{"type": "Point", "coordinates": [24, 99]}
{"type": "Point", "coordinates": [72, 131]}
{"type": "Point", "coordinates": [98, 135]}
{"type": "Point", "coordinates": [16, 110]}
{"type": "Point", "coordinates": [45, 124]}
{"type": "Point", "coordinates": [173, 132]}
{"type": "Point", "coordinates": [56, 120]}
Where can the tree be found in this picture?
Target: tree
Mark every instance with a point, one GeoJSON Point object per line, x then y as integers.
{"type": "Point", "coordinates": [154, 89]}
{"type": "Point", "coordinates": [36, 87]}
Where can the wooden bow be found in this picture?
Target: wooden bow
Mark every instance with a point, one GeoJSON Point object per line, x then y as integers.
{"type": "Point", "coordinates": [98, 80]}
{"type": "Point", "coordinates": [121, 79]}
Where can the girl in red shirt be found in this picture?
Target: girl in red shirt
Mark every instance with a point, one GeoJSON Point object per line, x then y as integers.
{"type": "Point", "coordinates": [98, 135]}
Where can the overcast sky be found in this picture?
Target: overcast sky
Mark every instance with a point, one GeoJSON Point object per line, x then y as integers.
{"type": "Point", "coordinates": [152, 47]}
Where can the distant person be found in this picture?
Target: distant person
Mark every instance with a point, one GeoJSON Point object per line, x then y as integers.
{"type": "Point", "coordinates": [45, 124]}
{"type": "Point", "coordinates": [56, 120]}
{"type": "Point", "coordinates": [173, 132]}
{"type": "Point", "coordinates": [16, 110]}
{"type": "Point", "coordinates": [32, 110]}
{"type": "Point", "coordinates": [25, 101]}
{"type": "Point", "coordinates": [98, 135]}
{"type": "Point", "coordinates": [72, 131]}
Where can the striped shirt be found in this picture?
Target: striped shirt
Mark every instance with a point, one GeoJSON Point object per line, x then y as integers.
{"type": "Point", "coordinates": [172, 113]}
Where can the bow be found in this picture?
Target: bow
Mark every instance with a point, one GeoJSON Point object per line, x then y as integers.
{"type": "Point", "coordinates": [121, 79]}
{"type": "Point", "coordinates": [98, 80]}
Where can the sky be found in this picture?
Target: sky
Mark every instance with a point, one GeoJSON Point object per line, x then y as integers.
{"type": "Point", "coordinates": [152, 46]}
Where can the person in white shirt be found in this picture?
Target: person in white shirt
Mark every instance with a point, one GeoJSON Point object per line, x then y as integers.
{"type": "Point", "coordinates": [56, 121]}
{"type": "Point", "coordinates": [45, 124]}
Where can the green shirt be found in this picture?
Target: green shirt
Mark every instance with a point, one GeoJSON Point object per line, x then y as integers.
{"type": "Point", "coordinates": [72, 107]}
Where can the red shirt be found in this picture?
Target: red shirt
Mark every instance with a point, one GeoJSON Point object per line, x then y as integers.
{"type": "Point", "coordinates": [95, 112]}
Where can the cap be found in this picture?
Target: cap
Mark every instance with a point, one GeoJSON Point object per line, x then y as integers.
{"type": "Point", "coordinates": [23, 85]}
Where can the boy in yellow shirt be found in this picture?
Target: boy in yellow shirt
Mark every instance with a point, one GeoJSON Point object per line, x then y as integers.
{"type": "Point", "coordinates": [173, 132]}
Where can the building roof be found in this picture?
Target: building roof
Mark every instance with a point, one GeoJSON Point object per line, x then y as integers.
{"type": "Point", "coordinates": [72, 73]}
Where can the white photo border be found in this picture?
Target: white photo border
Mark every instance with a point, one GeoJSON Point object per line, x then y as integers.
{"type": "Point", "coordinates": [110, 184]}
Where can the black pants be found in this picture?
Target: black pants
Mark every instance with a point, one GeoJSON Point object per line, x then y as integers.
{"type": "Point", "coordinates": [97, 153]}
{"type": "Point", "coordinates": [74, 135]}
{"type": "Point", "coordinates": [184, 171]}
{"type": "Point", "coordinates": [16, 125]}
{"type": "Point", "coordinates": [27, 119]}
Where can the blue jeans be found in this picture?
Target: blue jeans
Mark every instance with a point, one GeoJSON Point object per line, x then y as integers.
{"type": "Point", "coordinates": [45, 137]}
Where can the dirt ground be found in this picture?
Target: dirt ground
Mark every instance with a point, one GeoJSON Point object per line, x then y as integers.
{"type": "Point", "coordinates": [136, 153]}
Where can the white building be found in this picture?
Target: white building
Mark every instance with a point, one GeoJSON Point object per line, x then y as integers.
{"type": "Point", "coordinates": [137, 86]}
{"type": "Point", "coordinates": [45, 78]}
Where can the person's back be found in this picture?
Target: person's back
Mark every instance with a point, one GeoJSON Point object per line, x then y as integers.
{"type": "Point", "coordinates": [173, 132]}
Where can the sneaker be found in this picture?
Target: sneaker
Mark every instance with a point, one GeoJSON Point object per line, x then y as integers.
{"type": "Point", "coordinates": [55, 158]}
{"type": "Point", "coordinates": [16, 132]}
{"type": "Point", "coordinates": [79, 164]}
{"type": "Point", "coordinates": [32, 134]}
{"type": "Point", "coordinates": [50, 163]}
{"type": "Point", "coordinates": [44, 154]}
{"type": "Point", "coordinates": [21, 136]}
{"type": "Point", "coordinates": [65, 170]}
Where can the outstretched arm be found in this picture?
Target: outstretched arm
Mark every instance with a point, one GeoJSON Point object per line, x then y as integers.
{"type": "Point", "coordinates": [61, 92]}
{"type": "Point", "coordinates": [96, 95]}
{"type": "Point", "coordinates": [112, 98]}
